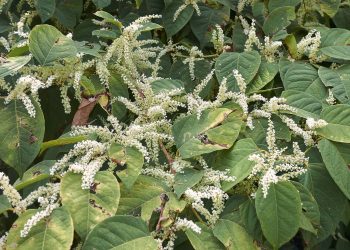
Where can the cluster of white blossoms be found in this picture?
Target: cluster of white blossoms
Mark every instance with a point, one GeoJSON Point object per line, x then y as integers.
{"type": "Point", "coordinates": [5, 43]}
{"type": "Point", "coordinates": [184, 6]}
{"type": "Point", "coordinates": [218, 39]}
{"type": "Point", "coordinates": [269, 49]}
{"type": "Point", "coordinates": [310, 45]}
{"type": "Point", "coordinates": [3, 240]}
{"type": "Point", "coordinates": [47, 197]}
{"type": "Point", "coordinates": [209, 188]}
{"type": "Point", "coordinates": [273, 165]}
{"type": "Point", "coordinates": [127, 53]}
{"type": "Point", "coordinates": [242, 3]}
{"type": "Point", "coordinates": [179, 225]}
{"type": "Point", "coordinates": [26, 84]}
{"type": "Point", "coordinates": [87, 158]}
{"type": "Point", "coordinates": [9, 191]}
{"type": "Point", "coordinates": [330, 99]}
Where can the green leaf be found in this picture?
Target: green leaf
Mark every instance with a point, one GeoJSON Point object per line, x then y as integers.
{"type": "Point", "coordinates": [12, 64]}
{"type": "Point", "coordinates": [203, 24]}
{"type": "Point", "coordinates": [298, 76]}
{"type": "Point", "coordinates": [278, 19]}
{"type": "Point", "coordinates": [337, 52]}
{"type": "Point", "coordinates": [45, 8]}
{"type": "Point", "coordinates": [334, 37]}
{"type": "Point", "coordinates": [279, 213]}
{"type": "Point", "coordinates": [68, 12]}
{"type": "Point", "coordinates": [89, 207]}
{"type": "Point", "coordinates": [53, 232]}
{"type": "Point", "coordinates": [337, 159]}
{"type": "Point", "coordinates": [166, 85]}
{"type": "Point", "coordinates": [205, 240]}
{"type": "Point", "coordinates": [247, 63]}
{"type": "Point", "coordinates": [37, 173]}
{"type": "Point", "coordinates": [215, 130]}
{"type": "Point", "coordinates": [309, 204]}
{"type": "Point", "coordinates": [101, 3]}
{"type": "Point", "coordinates": [330, 7]}
{"type": "Point", "coordinates": [338, 127]}
{"type": "Point", "coordinates": [236, 160]}
{"type": "Point", "coordinates": [184, 17]}
{"type": "Point", "coordinates": [117, 88]}
{"type": "Point", "coordinates": [20, 134]}
{"type": "Point", "coordinates": [249, 218]}
{"type": "Point", "coordinates": [304, 103]}
{"type": "Point", "coordinates": [233, 236]}
{"type": "Point", "coordinates": [131, 159]}
{"type": "Point", "coordinates": [120, 232]}
{"type": "Point", "coordinates": [48, 44]}
{"type": "Point", "coordinates": [173, 205]}
{"type": "Point", "coordinates": [186, 179]}
{"type": "Point", "coordinates": [329, 197]}
{"type": "Point", "coordinates": [4, 204]}
{"type": "Point", "coordinates": [274, 4]}
{"type": "Point", "coordinates": [132, 200]}
{"type": "Point", "coordinates": [267, 71]}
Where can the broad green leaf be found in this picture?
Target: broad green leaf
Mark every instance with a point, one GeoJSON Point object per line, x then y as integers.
{"type": "Point", "coordinates": [173, 205]}
{"type": "Point", "coordinates": [37, 173]}
{"type": "Point", "coordinates": [279, 213]}
{"type": "Point", "coordinates": [306, 224]}
{"type": "Point", "coordinates": [278, 19]}
{"type": "Point", "coordinates": [342, 18]}
{"type": "Point", "coordinates": [108, 34]}
{"type": "Point", "coordinates": [273, 4]}
{"type": "Point", "coordinates": [267, 71]}
{"type": "Point", "coordinates": [203, 24]}
{"type": "Point", "coordinates": [233, 236]}
{"type": "Point", "coordinates": [120, 233]}
{"type": "Point", "coordinates": [150, 26]}
{"type": "Point", "coordinates": [4, 204]}
{"type": "Point", "coordinates": [247, 63]}
{"type": "Point", "coordinates": [329, 77]}
{"type": "Point", "coordinates": [304, 103]}
{"type": "Point", "coordinates": [338, 127]}
{"type": "Point", "coordinates": [101, 3]}
{"type": "Point", "coordinates": [216, 129]}
{"type": "Point", "coordinates": [118, 88]}
{"type": "Point", "coordinates": [45, 8]}
{"type": "Point", "coordinates": [129, 158]}
{"type": "Point", "coordinates": [48, 44]}
{"type": "Point", "coordinates": [53, 232]}
{"type": "Point", "coordinates": [298, 76]}
{"type": "Point", "coordinates": [171, 26]}
{"type": "Point", "coordinates": [330, 7]}
{"type": "Point", "coordinates": [330, 199]}
{"type": "Point", "coordinates": [89, 207]}
{"type": "Point", "coordinates": [186, 179]}
{"type": "Point", "coordinates": [336, 157]}
{"type": "Point", "coordinates": [20, 134]}
{"type": "Point", "coordinates": [205, 240]}
{"type": "Point", "coordinates": [337, 52]}
{"type": "Point", "coordinates": [236, 160]}
{"type": "Point", "coordinates": [250, 219]}
{"type": "Point", "coordinates": [309, 204]}
{"type": "Point", "coordinates": [68, 12]}
{"type": "Point", "coordinates": [132, 200]}
{"type": "Point", "coordinates": [334, 37]}
{"type": "Point", "coordinates": [258, 133]}
{"type": "Point", "coordinates": [12, 64]}
{"type": "Point", "coordinates": [166, 85]}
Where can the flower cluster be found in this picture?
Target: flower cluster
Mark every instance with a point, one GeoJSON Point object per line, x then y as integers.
{"type": "Point", "coordinates": [184, 6]}
{"type": "Point", "coordinates": [273, 165]}
{"type": "Point", "coordinates": [269, 49]}
{"type": "Point", "coordinates": [310, 45]}
{"type": "Point", "coordinates": [9, 191]}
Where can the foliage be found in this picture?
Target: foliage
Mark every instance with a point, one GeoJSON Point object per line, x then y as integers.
{"type": "Point", "coordinates": [174, 124]}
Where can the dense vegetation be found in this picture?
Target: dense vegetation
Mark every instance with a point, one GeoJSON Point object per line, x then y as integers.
{"type": "Point", "coordinates": [174, 124]}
